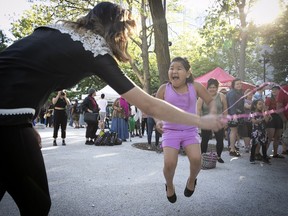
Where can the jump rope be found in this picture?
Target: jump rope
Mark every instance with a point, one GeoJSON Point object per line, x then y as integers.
{"type": "Point", "coordinates": [265, 113]}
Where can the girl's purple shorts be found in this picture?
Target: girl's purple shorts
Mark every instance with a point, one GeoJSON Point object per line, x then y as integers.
{"type": "Point", "coordinates": [177, 138]}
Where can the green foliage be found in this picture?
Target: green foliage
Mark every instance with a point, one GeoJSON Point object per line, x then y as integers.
{"type": "Point", "coordinates": [276, 35]}
{"type": "Point", "coordinates": [222, 34]}
{"type": "Point", "coordinates": [3, 40]}
{"type": "Point", "coordinates": [38, 15]}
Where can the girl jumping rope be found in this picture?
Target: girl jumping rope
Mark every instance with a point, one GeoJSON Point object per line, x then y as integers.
{"type": "Point", "coordinates": [181, 91]}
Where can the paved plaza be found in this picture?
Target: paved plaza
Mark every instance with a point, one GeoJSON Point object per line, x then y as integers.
{"type": "Point", "coordinates": [127, 181]}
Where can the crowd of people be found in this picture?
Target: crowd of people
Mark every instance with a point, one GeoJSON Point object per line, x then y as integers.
{"type": "Point", "coordinates": [129, 121]}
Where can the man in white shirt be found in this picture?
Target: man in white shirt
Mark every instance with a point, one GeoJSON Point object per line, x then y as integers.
{"type": "Point", "coordinates": [102, 103]}
{"type": "Point", "coordinates": [137, 115]}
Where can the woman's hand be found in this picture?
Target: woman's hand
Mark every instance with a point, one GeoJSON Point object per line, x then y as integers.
{"type": "Point", "coordinates": [159, 127]}
{"type": "Point", "coordinates": [212, 122]}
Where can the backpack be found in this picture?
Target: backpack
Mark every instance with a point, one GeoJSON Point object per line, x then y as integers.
{"type": "Point", "coordinates": [107, 139]}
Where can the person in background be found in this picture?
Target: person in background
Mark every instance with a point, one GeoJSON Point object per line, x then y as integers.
{"type": "Point", "coordinates": [67, 52]}
{"type": "Point", "coordinates": [204, 109]}
{"type": "Point", "coordinates": [41, 115]}
{"type": "Point", "coordinates": [144, 124]}
{"type": "Point", "coordinates": [182, 92]}
{"type": "Point", "coordinates": [223, 91]}
{"type": "Point", "coordinates": [282, 104]}
{"type": "Point", "coordinates": [235, 104]}
{"type": "Point", "coordinates": [259, 135]}
{"type": "Point", "coordinates": [259, 94]}
{"type": "Point", "coordinates": [120, 116]}
{"type": "Point", "coordinates": [275, 126]}
{"type": "Point", "coordinates": [90, 105]}
{"type": "Point", "coordinates": [108, 117]}
{"type": "Point", "coordinates": [131, 124]}
{"type": "Point", "coordinates": [49, 116]}
{"type": "Point", "coordinates": [60, 103]}
{"type": "Point", "coordinates": [102, 103]}
{"type": "Point", "coordinates": [245, 129]}
{"type": "Point", "coordinates": [151, 125]}
{"type": "Point", "coordinates": [75, 112]}
{"type": "Point", "coordinates": [70, 115]}
{"type": "Point", "coordinates": [137, 116]}
{"type": "Point", "coordinates": [82, 123]}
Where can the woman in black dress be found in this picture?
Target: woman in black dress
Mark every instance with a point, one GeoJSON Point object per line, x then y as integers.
{"type": "Point", "coordinates": [57, 57]}
{"type": "Point", "coordinates": [90, 105]}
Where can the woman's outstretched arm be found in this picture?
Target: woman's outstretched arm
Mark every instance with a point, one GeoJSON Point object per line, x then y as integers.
{"type": "Point", "coordinates": [162, 110]}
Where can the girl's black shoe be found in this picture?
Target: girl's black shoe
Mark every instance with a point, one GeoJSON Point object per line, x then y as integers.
{"type": "Point", "coordinates": [187, 192]}
{"type": "Point", "coordinates": [172, 198]}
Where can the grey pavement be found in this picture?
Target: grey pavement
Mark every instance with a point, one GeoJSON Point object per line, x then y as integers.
{"type": "Point", "coordinates": [124, 180]}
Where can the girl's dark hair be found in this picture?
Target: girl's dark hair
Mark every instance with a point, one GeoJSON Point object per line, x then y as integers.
{"type": "Point", "coordinates": [254, 105]}
{"type": "Point", "coordinates": [234, 81]}
{"type": "Point", "coordinates": [186, 65]}
{"type": "Point", "coordinates": [212, 81]}
{"type": "Point", "coordinates": [111, 22]}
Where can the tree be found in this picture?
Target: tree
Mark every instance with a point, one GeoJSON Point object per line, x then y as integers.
{"type": "Point", "coordinates": [231, 38]}
{"type": "Point", "coordinates": [3, 40]}
{"type": "Point", "coordinates": [161, 38]}
{"type": "Point", "coordinates": [276, 35]}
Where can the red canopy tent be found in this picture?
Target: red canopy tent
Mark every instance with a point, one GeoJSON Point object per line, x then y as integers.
{"type": "Point", "coordinates": [223, 77]}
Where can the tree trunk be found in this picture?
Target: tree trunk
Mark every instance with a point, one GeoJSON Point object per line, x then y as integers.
{"type": "Point", "coordinates": [161, 38]}
{"type": "Point", "coordinates": [243, 37]}
{"type": "Point", "coordinates": [144, 48]}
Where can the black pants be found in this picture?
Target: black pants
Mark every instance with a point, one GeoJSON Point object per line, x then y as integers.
{"type": "Point", "coordinates": [22, 170]}
{"type": "Point", "coordinates": [206, 135]}
{"type": "Point", "coordinates": [60, 119]}
{"type": "Point", "coordinates": [144, 125]}
{"type": "Point", "coordinates": [151, 124]}
{"type": "Point", "coordinates": [91, 130]}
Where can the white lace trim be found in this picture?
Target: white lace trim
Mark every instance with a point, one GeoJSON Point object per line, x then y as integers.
{"type": "Point", "coordinates": [17, 111]}
{"type": "Point", "coordinates": [91, 41]}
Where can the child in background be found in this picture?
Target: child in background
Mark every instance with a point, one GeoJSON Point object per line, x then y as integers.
{"type": "Point", "coordinates": [259, 135]}
{"type": "Point", "coordinates": [182, 92]}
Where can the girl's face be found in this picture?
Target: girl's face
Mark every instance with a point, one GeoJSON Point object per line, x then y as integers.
{"type": "Point", "coordinates": [212, 90]}
{"type": "Point", "coordinates": [238, 85]}
{"type": "Point", "coordinates": [178, 74]}
{"type": "Point", "coordinates": [259, 106]}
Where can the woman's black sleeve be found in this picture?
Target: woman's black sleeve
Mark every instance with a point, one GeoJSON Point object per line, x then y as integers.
{"type": "Point", "coordinates": [108, 70]}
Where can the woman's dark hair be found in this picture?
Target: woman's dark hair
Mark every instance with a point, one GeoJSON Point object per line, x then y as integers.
{"type": "Point", "coordinates": [233, 82]}
{"type": "Point", "coordinates": [111, 22]}
{"type": "Point", "coordinates": [186, 65]}
{"type": "Point", "coordinates": [212, 81]}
